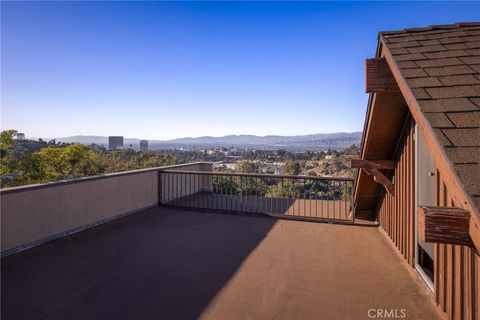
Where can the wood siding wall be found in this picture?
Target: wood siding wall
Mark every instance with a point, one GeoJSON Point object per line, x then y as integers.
{"type": "Point", "coordinates": [457, 268]}
{"type": "Point", "coordinates": [456, 271]}
{"type": "Point", "coordinates": [396, 213]}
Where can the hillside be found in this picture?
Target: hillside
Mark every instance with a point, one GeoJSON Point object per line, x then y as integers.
{"type": "Point", "coordinates": [340, 140]}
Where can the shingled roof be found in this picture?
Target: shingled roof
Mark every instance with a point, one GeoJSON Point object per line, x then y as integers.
{"type": "Point", "coordinates": [441, 65]}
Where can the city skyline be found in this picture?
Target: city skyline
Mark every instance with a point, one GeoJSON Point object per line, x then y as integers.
{"type": "Point", "coordinates": [171, 70]}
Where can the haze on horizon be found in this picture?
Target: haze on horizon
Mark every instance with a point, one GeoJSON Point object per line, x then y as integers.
{"type": "Point", "coordinates": [72, 138]}
{"type": "Point", "coordinates": [164, 70]}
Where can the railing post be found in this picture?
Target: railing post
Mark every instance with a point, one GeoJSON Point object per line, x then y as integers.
{"type": "Point", "coordinates": [352, 202]}
{"type": "Point", "coordinates": [159, 188]}
{"type": "Point", "coordinates": [353, 211]}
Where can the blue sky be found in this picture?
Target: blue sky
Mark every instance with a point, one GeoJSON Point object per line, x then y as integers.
{"type": "Point", "coordinates": [161, 70]}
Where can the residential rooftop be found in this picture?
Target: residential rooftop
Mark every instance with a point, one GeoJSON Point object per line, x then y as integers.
{"type": "Point", "coordinates": [178, 264]}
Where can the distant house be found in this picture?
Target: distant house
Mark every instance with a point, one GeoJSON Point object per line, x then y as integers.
{"type": "Point", "coordinates": [329, 157]}
{"type": "Point", "coordinates": [420, 157]}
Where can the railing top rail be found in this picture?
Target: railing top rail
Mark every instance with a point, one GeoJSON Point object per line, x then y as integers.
{"type": "Point", "coordinates": [257, 175]}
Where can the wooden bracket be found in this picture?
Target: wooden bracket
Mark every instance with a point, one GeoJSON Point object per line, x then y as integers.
{"type": "Point", "coordinates": [379, 77]}
{"type": "Point", "coordinates": [371, 167]}
{"type": "Point", "coordinates": [380, 178]}
{"type": "Point", "coordinates": [449, 225]}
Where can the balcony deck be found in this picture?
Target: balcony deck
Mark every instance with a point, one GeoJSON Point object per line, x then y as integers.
{"type": "Point", "coordinates": [175, 264]}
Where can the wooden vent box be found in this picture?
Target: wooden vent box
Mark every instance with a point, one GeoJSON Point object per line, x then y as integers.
{"type": "Point", "coordinates": [447, 225]}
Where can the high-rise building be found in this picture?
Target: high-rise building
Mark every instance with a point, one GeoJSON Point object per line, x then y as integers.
{"type": "Point", "coordinates": [143, 145]}
{"type": "Point", "coordinates": [115, 142]}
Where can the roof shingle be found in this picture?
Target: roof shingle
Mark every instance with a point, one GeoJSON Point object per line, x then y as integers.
{"type": "Point", "coordinates": [442, 69]}
{"type": "Point", "coordinates": [465, 119]}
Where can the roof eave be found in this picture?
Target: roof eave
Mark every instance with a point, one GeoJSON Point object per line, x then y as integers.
{"type": "Point", "coordinates": [365, 129]}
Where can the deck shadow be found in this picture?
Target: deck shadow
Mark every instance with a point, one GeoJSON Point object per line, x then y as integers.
{"type": "Point", "coordinates": [158, 263]}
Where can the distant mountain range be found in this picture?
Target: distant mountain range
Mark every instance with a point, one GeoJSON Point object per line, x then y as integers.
{"type": "Point", "coordinates": [321, 141]}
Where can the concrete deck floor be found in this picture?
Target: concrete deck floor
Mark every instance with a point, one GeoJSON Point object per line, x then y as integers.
{"type": "Point", "coordinates": [174, 264]}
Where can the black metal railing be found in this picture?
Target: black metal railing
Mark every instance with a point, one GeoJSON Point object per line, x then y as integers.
{"type": "Point", "coordinates": [276, 195]}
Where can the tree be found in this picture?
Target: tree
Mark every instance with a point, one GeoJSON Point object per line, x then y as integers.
{"type": "Point", "coordinates": [247, 167]}
{"type": "Point", "coordinates": [30, 168]}
{"type": "Point", "coordinates": [285, 189]}
{"type": "Point", "coordinates": [346, 191]}
{"type": "Point", "coordinates": [293, 168]}
{"type": "Point", "coordinates": [54, 163]}
{"type": "Point", "coordinates": [80, 161]}
{"type": "Point", "coordinates": [352, 150]}
{"type": "Point", "coordinates": [43, 166]}
{"type": "Point", "coordinates": [7, 160]}
{"type": "Point", "coordinates": [124, 160]}
{"type": "Point", "coordinates": [28, 161]}
{"type": "Point", "coordinates": [6, 141]}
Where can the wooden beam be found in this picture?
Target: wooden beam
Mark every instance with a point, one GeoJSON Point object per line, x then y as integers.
{"type": "Point", "coordinates": [372, 164]}
{"type": "Point", "coordinates": [378, 76]}
{"type": "Point", "coordinates": [380, 178]}
{"type": "Point", "coordinates": [449, 225]}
